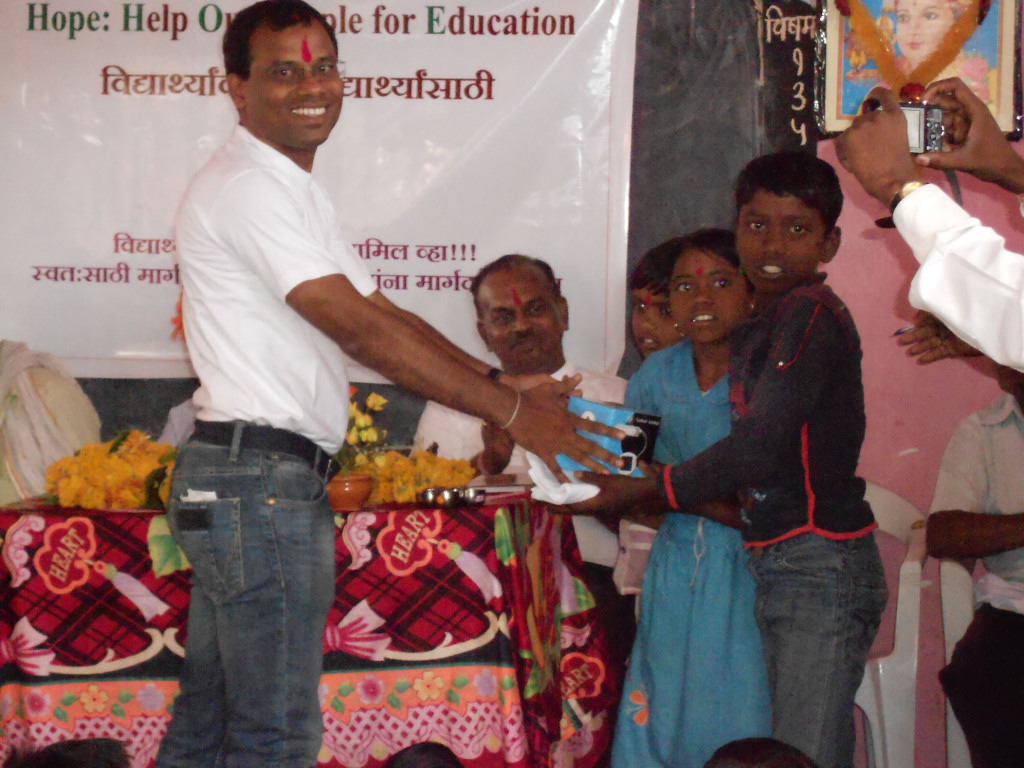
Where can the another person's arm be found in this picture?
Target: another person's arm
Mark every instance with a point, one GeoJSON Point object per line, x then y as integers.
{"type": "Point", "coordinates": [974, 142]}
{"type": "Point", "coordinates": [958, 533]}
{"type": "Point", "coordinates": [957, 526]}
{"type": "Point", "coordinates": [929, 340]}
{"type": "Point", "coordinates": [968, 279]}
{"type": "Point", "coordinates": [497, 450]}
{"type": "Point", "coordinates": [371, 331]}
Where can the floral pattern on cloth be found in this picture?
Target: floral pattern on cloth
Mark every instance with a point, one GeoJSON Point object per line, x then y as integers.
{"type": "Point", "coordinates": [486, 645]}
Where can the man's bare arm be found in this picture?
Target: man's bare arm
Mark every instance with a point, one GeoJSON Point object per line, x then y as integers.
{"type": "Point", "coordinates": [955, 533]}
{"type": "Point", "coordinates": [387, 342]}
{"type": "Point", "coordinates": [439, 342]}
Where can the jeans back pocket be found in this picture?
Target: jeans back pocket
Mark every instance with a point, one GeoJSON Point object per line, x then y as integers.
{"type": "Point", "coordinates": [209, 533]}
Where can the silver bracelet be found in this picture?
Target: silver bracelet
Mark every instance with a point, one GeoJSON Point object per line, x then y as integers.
{"type": "Point", "coordinates": [515, 411]}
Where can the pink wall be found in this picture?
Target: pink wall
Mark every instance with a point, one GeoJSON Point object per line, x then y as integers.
{"type": "Point", "coordinates": [912, 409]}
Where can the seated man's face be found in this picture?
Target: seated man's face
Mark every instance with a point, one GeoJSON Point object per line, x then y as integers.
{"type": "Point", "coordinates": [522, 320]}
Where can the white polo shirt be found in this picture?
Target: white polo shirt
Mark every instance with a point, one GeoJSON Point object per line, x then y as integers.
{"type": "Point", "coordinates": [252, 226]}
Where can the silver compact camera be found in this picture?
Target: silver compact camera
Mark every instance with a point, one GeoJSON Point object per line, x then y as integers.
{"type": "Point", "coordinates": [924, 126]}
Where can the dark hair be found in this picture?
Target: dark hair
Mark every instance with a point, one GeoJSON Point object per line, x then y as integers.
{"type": "Point", "coordinates": [514, 261]}
{"type": "Point", "coordinates": [759, 753]}
{"type": "Point", "coordinates": [659, 262]}
{"type": "Point", "coordinates": [276, 15]}
{"type": "Point", "coordinates": [799, 174]}
{"type": "Point", "coordinates": [655, 267]}
{"type": "Point", "coordinates": [73, 753]}
{"type": "Point", "coordinates": [429, 754]}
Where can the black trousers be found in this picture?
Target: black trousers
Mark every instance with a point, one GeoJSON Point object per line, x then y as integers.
{"type": "Point", "coordinates": [984, 682]}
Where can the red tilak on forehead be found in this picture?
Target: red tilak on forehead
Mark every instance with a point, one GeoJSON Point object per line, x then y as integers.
{"type": "Point", "coordinates": [648, 298]}
{"type": "Point", "coordinates": [306, 55]}
{"type": "Point", "coordinates": [515, 298]}
{"type": "Point", "coordinates": [700, 271]}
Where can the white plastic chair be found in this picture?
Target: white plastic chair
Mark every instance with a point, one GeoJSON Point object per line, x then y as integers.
{"type": "Point", "coordinates": [887, 695]}
{"type": "Point", "coordinates": [957, 586]}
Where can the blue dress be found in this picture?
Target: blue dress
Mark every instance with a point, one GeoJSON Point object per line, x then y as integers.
{"type": "Point", "coordinates": [696, 678]}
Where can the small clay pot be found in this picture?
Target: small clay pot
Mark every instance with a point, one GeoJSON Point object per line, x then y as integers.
{"type": "Point", "coordinates": [349, 492]}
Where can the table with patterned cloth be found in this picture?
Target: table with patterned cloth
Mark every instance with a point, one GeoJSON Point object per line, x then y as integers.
{"type": "Point", "coordinates": [471, 627]}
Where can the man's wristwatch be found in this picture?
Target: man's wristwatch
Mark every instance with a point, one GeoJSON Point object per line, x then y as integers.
{"type": "Point", "coordinates": [494, 374]}
{"type": "Point", "coordinates": [903, 191]}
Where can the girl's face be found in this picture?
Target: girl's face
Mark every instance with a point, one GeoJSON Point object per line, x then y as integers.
{"type": "Point", "coordinates": [920, 27]}
{"type": "Point", "coordinates": [709, 296]}
{"type": "Point", "coordinates": [651, 321]}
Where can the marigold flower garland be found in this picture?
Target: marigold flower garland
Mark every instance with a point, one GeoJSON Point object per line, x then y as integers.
{"type": "Point", "coordinates": [879, 47]}
{"type": "Point", "coordinates": [129, 472]}
{"type": "Point", "coordinates": [397, 477]}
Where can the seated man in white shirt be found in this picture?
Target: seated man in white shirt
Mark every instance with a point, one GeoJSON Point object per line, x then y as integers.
{"type": "Point", "coordinates": [522, 316]}
{"type": "Point", "coordinates": [978, 511]}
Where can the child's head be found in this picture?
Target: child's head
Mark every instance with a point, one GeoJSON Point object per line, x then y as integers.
{"type": "Point", "coordinates": [787, 205]}
{"type": "Point", "coordinates": [73, 753]}
{"type": "Point", "coordinates": [758, 753]}
{"type": "Point", "coordinates": [427, 754]}
{"type": "Point", "coordinates": [650, 313]}
{"type": "Point", "coordinates": [709, 294]}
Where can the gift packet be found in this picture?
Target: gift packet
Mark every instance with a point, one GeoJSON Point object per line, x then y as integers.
{"type": "Point", "coordinates": [641, 432]}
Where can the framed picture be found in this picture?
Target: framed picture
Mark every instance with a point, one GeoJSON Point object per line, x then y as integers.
{"type": "Point", "coordinates": [911, 39]}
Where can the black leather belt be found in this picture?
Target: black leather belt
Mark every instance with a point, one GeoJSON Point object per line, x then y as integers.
{"type": "Point", "coordinates": [258, 437]}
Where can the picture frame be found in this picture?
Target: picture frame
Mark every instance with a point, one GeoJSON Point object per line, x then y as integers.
{"type": "Point", "coordinates": [989, 61]}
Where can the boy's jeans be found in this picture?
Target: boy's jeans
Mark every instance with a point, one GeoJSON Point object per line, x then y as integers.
{"type": "Point", "coordinates": [819, 604]}
{"type": "Point", "coordinates": [260, 536]}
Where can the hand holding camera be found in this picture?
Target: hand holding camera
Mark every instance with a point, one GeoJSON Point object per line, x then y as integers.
{"type": "Point", "coordinates": [973, 140]}
{"type": "Point", "coordinates": [876, 147]}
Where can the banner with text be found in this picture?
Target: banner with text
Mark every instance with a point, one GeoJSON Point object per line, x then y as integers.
{"type": "Point", "coordinates": [467, 132]}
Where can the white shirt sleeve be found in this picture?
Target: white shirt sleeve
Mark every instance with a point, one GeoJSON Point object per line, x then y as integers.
{"type": "Point", "coordinates": [967, 277]}
{"type": "Point", "coordinates": [962, 483]}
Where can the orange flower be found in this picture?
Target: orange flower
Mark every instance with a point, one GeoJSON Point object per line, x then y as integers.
{"type": "Point", "coordinates": [112, 475]}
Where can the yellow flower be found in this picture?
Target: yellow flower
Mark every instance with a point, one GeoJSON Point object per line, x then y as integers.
{"type": "Point", "coordinates": [375, 402]}
{"type": "Point", "coordinates": [352, 438]}
{"type": "Point", "coordinates": [94, 700]}
{"type": "Point", "coordinates": [369, 435]}
{"type": "Point", "coordinates": [363, 420]}
{"type": "Point", "coordinates": [115, 474]}
{"type": "Point", "coordinates": [429, 687]}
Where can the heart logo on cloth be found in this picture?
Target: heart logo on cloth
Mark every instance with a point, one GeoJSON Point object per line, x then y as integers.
{"type": "Point", "coordinates": [878, 43]}
{"type": "Point", "coordinates": [63, 561]}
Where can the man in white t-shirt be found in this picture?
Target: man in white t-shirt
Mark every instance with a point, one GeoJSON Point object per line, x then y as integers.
{"type": "Point", "coordinates": [978, 511]}
{"type": "Point", "coordinates": [274, 294]}
{"type": "Point", "coordinates": [522, 317]}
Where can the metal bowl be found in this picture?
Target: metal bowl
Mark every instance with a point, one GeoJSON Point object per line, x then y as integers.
{"type": "Point", "coordinates": [446, 498]}
{"type": "Point", "coordinates": [472, 496]}
{"type": "Point", "coordinates": [439, 497]}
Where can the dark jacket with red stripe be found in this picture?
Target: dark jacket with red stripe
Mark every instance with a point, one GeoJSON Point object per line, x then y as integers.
{"type": "Point", "coordinates": [798, 425]}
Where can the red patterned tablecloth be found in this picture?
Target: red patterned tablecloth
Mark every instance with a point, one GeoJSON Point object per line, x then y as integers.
{"type": "Point", "coordinates": [471, 627]}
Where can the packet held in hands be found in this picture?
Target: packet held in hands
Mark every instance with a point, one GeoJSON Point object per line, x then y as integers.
{"type": "Point", "coordinates": [641, 431]}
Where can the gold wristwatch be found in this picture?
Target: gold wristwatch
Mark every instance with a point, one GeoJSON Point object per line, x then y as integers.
{"type": "Point", "coordinates": [905, 190]}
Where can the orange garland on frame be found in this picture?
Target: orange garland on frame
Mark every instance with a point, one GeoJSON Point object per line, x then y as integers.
{"type": "Point", "coordinates": [879, 48]}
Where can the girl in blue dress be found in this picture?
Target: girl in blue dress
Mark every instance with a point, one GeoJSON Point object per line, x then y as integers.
{"type": "Point", "coordinates": [696, 677]}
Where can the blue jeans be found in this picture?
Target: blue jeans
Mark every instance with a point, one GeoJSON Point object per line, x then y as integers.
{"type": "Point", "coordinates": [819, 605]}
{"type": "Point", "coordinates": [259, 533]}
